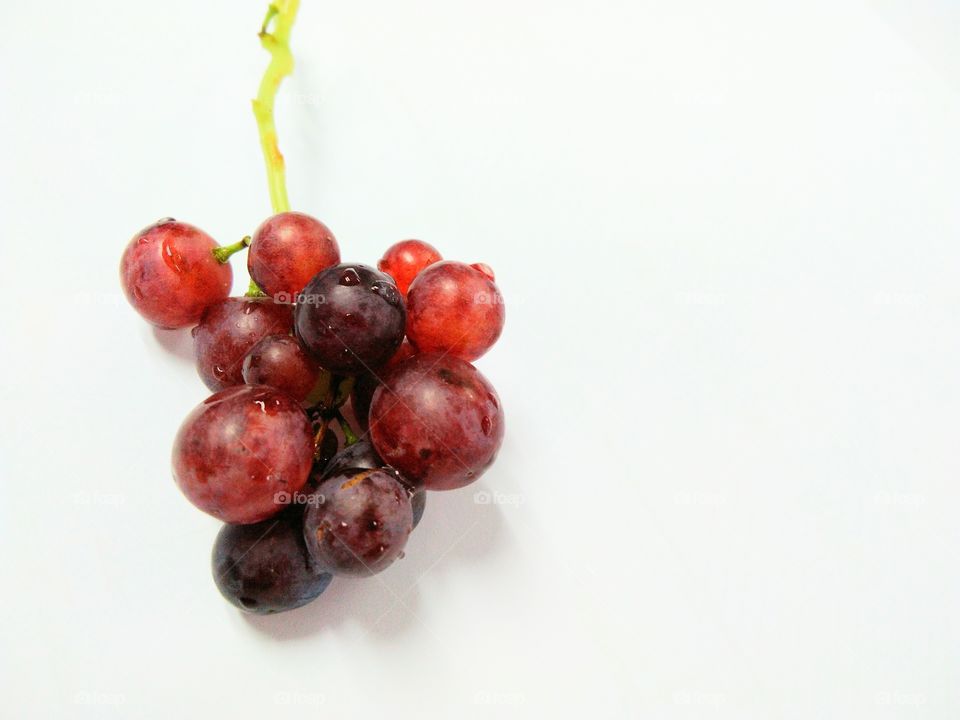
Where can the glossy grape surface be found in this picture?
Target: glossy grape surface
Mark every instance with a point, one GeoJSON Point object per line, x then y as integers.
{"type": "Point", "coordinates": [281, 362]}
{"type": "Point", "coordinates": [228, 330]}
{"type": "Point", "coordinates": [287, 250]}
{"type": "Point", "coordinates": [265, 568]}
{"type": "Point", "coordinates": [239, 449]}
{"type": "Point", "coordinates": [438, 420]}
{"type": "Point", "coordinates": [404, 260]}
{"type": "Point", "coordinates": [351, 318]}
{"type": "Point", "coordinates": [360, 524]}
{"type": "Point", "coordinates": [170, 276]}
{"type": "Point", "coordinates": [454, 308]}
{"type": "Point", "coordinates": [362, 455]}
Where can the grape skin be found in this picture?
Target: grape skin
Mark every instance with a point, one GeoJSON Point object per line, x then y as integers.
{"type": "Point", "coordinates": [281, 362]}
{"type": "Point", "coordinates": [264, 568]}
{"type": "Point", "coordinates": [362, 455]}
{"type": "Point", "coordinates": [350, 318]}
{"type": "Point", "coordinates": [404, 260]}
{"type": "Point", "coordinates": [170, 276]}
{"type": "Point", "coordinates": [454, 308]}
{"type": "Point", "coordinates": [228, 330]}
{"type": "Point", "coordinates": [437, 420]}
{"type": "Point", "coordinates": [287, 250]}
{"type": "Point", "coordinates": [241, 447]}
{"type": "Point", "coordinates": [360, 523]}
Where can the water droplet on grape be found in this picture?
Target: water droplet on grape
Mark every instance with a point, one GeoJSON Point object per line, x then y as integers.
{"type": "Point", "coordinates": [349, 277]}
{"type": "Point", "coordinates": [486, 425]}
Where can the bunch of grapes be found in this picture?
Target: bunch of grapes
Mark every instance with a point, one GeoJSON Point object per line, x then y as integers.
{"type": "Point", "coordinates": [272, 453]}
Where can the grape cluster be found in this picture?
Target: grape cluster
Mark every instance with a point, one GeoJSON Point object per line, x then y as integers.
{"type": "Point", "coordinates": [316, 341]}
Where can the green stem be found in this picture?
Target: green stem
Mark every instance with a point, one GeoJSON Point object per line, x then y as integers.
{"type": "Point", "coordinates": [254, 290]}
{"type": "Point", "coordinates": [348, 434]}
{"type": "Point", "coordinates": [277, 43]}
{"type": "Point", "coordinates": [222, 254]}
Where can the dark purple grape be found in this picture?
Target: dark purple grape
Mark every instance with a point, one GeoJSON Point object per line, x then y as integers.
{"type": "Point", "coordinates": [361, 455]}
{"type": "Point", "coordinates": [359, 522]}
{"type": "Point", "coordinates": [351, 318]}
{"type": "Point", "coordinates": [437, 420]}
{"type": "Point", "coordinates": [361, 397]}
{"type": "Point", "coordinates": [329, 446]}
{"type": "Point", "coordinates": [227, 331]}
{"type": "Point", "coordinates": [265, 568]}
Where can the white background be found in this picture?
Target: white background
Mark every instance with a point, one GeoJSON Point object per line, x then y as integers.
{"type": "Point", "coordinates": [727, 234]}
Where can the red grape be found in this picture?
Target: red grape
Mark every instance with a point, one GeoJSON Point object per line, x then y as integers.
{"type": "Point", "coordinates": [229, 329]}
{"type": "Point", "coordinates": [350, 318]}
{"type": "Point", "coordinates": [454, 308]}
{"type": "Point", "coordinates": [404, 260]}
{"type": "Point", "coordinates": [287, 250]}
{"type": "Point", "coordinates": [170, 276]}
{"type": "Point", "coordinates": [437, 420]}
{"type": "Point", "coordinates": [265, 567]}
{"type": "Point", "coordinates": [239, 449]}
{"type": "Point", "coordinates": [360, 523]}
{"type": "Point", "coordinates": [281, 362]}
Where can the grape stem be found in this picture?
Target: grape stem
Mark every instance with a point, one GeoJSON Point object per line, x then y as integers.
{"type": "Point", "coordinates": [277, 43]}
{"type": "Point", "coordinates": [222, 254]}
{"type": "Point", "coordinates": [349, 436]}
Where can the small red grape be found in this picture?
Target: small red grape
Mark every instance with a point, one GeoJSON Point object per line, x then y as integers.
{"type": "Point", "coordinates": [404, 260]}
{"type": "Point", "coordinates": [229, 329]}
{"type": "Point", "coordinates": [170, 276]}
{"type": "Point", "coordinates": [437, 420]}
{"type": "Point", "coordinates": [455, 308]}
{"type": "Point", "coordinates": [287, 250]}
{"type": "Point", "coordinates": [281, 362]}
{"type": "Point", "coordinates": [239, 449]}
